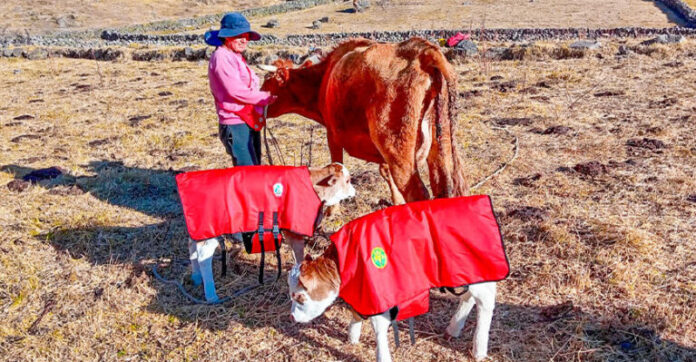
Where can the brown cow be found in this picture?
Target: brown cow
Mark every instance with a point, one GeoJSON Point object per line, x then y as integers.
{"type": "Point", "coordinates": [393, 104]}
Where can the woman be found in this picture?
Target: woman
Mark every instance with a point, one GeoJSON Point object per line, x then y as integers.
{"type": "Point", "coordinates": [235, 87]}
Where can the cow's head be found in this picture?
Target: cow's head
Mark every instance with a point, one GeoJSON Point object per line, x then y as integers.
{"type": "Point", "coordinates": [332, 183]}
{"type": "Point", "coordinates": [313, 286]}
{"type": "Point", "coordinates": [279, 80]}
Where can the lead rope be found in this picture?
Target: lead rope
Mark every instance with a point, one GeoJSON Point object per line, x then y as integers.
{"type": "Point", "coordinates": [273, 140]}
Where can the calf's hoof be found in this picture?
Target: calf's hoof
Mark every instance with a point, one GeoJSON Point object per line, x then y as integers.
{"type": "Point", "coordinates": [451, 333]}
{"type": "Point", "coordinates": [197, 279]}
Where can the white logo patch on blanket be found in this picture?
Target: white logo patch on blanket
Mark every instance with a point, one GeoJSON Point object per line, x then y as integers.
{"type": "Point", "coordinates": [278, 189]}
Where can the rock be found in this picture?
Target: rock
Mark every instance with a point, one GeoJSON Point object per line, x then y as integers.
{"type": "Point", "coordinates": [691, 198]}
{"type": "Point", "coordinates": [273, 23]}
{"type": "Point", "coordinates": [36, 54]}
{"type": "Point", "coordinates": [649, 143]}
{"type": "Point", "coordinates": [66, 21]}
{"type": "Point", "coordinates": [623, 50]}
{"type": "Point", "coordinates": [43, 174]}
{"type": "Point", "coordinates": [66, 190]}
{"type": "Point", "coordinates": [586, 44]}
{"type": "Point", "coordinates": [25, 136]}
{"type": "Point", "coordinates": [316, 24]}
{"type": "Point", "coordinates": [324, 19]}
{"type": "Point", "coordinates": [135, 120]}
{"type": "Point", "coordinates": [149, 55]}
{"type": "Point", "coordinates": [526, 181]}
{"type": "Point", "coordinates": [610, 93]}
{"type": "Point", "coordinates": [511, 121]}
{"type": "Point", "coordinates": [468, 47]}
{"type": "Point", "coordinates": [361, 5]}
{"type": "Point", "coordinates": [18, 185]}
{"type": "Point", "coordinates": [528, 213]}
{"type": "Point", "coordinates": [556, 130]}
{"type": "Point", "coordinates": [16, 52]}
{"type": "Point", "coordinates": [497, 53]}
{"type": "Point", "coordinates": [664, 39]}
{"type": "Point", "coordinates": [592, 168]}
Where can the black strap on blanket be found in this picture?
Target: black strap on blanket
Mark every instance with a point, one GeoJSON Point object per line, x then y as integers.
{"type": "Point", "coordinates": [393, 312]}
{"type": "Point", "coordinates": [223, 255]}
{"type": "Point", "coordinates": [276, 240]}
{"type": "Point", "coordinates": [263, 251]}
{"type": "Point", "coordinates": [276, 234]}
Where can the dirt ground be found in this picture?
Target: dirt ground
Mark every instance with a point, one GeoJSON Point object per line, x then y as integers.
{"type": "Point", "coordinates": [43, 15]}
{"type": "Point", "coordinates": [598, 211]}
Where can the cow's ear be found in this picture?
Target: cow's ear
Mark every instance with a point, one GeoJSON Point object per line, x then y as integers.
{"type": "Point", "coordinates": [284, 74]}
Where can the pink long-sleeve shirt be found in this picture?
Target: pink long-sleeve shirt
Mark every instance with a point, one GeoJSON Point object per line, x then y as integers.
{"type": "Point", "coordinates": [233, 85]}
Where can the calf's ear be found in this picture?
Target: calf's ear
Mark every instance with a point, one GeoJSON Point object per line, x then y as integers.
{"type": "Point", "coordinates": [328, 181]}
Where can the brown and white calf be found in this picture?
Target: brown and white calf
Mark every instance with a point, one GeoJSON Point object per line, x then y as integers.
{"type": "Point", "coordinates": [331, 183]}
{"type": "Point", "coordinates": [314, 285]}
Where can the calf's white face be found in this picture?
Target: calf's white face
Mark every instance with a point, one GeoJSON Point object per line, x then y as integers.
{"type": "Point", "coordinates": [310, 294]}
{"type": "Point", "coordinates": [332, 183]}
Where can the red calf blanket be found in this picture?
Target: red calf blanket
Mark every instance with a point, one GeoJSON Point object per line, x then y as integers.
{"type": "Point", "coordinates": [227, 201]}
{"type": "Point", "coordinates": [392, 257]}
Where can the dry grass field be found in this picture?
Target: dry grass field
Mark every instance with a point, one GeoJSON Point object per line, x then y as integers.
{"type": "Point", "coordinates": [598, 212]}
{"type": "Point", "coordinates": [42, 15]}
{"type": "Point", "coordinates": [461, 14]}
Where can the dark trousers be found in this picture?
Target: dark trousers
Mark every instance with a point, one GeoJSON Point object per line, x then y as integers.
{"type": "Point", "coordinates": [242, 143]}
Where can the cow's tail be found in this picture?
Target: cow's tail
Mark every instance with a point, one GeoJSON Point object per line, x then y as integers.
{"type": "Point", "coordinates": [445, 83]}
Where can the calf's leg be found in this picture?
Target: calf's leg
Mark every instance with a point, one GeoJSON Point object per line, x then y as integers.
{"type": "Point", "coordinates": [459, 318]}
{"type": "Point", "coordinates": [193, 258]}
{"type": "Point", "coordinates": [355, 328]}
{"type": "Point", "coordinates": [205, 250]}
{"type": "Point", "coordinates": [380, 323]}
{"type": "Point", "coordinates": [484, 294]}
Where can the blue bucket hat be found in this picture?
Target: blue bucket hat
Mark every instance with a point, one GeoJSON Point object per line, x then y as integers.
{"type": "Point", "coordinates": [231, 25]}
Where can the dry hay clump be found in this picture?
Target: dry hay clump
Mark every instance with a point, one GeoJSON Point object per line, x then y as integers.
{"type": "Point", "coordinates": [598, 213]}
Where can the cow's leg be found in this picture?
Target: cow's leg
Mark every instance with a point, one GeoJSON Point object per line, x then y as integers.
{"type": "Point", "coordinates": [397, 197]}
{"type": "Point", "coordinates": [484, 294]}
{"type": "Point", "coordinates": [380, 323]}
{"type": "Point", "coordinates": [193, 258]}
{"type": "Point", "coordinates": [408, 181]}
{"type": "Point", "coordinates": [355, 328]}
{"type": "Point", "coordinates": [439, 170]}
{"type": "Point", "coordinates": [205, 250]}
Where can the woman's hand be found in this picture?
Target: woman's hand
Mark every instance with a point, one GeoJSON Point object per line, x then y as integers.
{"type": "Point", "coordinates": [268, 100]}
